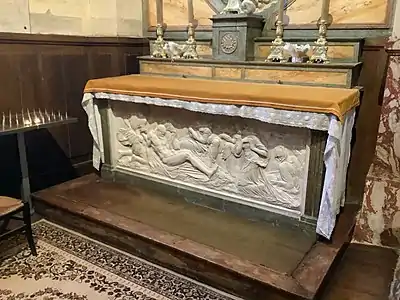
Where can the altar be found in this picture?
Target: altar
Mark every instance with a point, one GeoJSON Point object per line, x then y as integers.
{"type": "Point", "coordinates": [282, 150]}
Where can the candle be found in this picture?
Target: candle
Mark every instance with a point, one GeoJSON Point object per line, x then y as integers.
{"type": "Point", "coordinates": [190, 11]}
{"type": "Point", "coordinates": [281, 10]}
{"type": "Point", "coordinates": [325, 10]}
{"type": "Point", "coordinates": [160, 17]}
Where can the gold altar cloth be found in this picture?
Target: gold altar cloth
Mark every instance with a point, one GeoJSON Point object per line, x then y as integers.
{"type": "Point", "coordinates": [289, 97]}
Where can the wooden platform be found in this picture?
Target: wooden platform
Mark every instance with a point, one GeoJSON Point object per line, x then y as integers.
{"type": "Point", "coordinates": [364, 273]}
{"type": "Point", "coordinates": [254, 260]}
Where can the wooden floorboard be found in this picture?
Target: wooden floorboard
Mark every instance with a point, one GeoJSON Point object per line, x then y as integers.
{"type": "Point", "coordinates": [364, 273]}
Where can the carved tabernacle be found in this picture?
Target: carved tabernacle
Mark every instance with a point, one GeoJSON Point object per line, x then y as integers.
{"type": "Point", "coordinates": [243, 160]}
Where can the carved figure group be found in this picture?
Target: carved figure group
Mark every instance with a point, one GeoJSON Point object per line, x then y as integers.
{"type": "Point", "coordinates": [247, 7]}
{"type": "Point", "coordinates": [235, 163]}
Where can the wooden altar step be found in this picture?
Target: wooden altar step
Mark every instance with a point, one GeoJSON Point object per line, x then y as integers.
{"type": "Point", "coordinates": [254, 260]}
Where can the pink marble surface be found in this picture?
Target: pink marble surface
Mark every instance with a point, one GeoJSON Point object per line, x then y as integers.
{"type": "Point", "coordinates": [394, 293]}
{"type": "Point", "coordinates": [378, 222]}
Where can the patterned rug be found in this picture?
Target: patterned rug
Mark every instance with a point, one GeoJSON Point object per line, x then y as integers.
{"type": "Point", "coordinates": [72, 266]}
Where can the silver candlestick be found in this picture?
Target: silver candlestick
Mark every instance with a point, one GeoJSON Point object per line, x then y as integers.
{"type": "Point", "coordinates": [191, 45]}
{"type": "Point", "coordinates": [276, 54]}
{"type": "Point", "coordinates": [46, 115]}
{"type": "Point", "coordinates": [42, 119]}
{"type": "Point", "coordinates": [36, 119]}
{"type": "Point", "coordinates": [27, 120]}
{"type": "Point", "coordinates": [158, 46]}
{"type": "Point", "coordinates": [320, 49]}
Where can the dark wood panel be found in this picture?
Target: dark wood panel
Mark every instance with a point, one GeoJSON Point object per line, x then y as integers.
{"type": "Point", "coordinates": [365, 273]}
{"type": "Point", "coordinates": [50, 72]}
{"type": "Point", "coordinates": [372, 78]}
{"type": "Point", "coordinates": [11, 97]}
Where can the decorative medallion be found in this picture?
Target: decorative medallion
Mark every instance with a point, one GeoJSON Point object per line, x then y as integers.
{"type": "Point", "coordinates": [229, 43]}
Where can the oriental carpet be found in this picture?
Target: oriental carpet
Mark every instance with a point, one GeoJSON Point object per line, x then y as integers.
{"type": "Point", "coordinates": [72, 266]}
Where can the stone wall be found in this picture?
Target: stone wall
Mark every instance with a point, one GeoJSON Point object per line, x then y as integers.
{"type": "Point", "coordinates": [72, 17]}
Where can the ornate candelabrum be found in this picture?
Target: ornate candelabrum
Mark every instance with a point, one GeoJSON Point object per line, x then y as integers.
{"type": "Point", "coordinates": [158, 46]}
{"type": "Point", "coordinates": [191, 45]}
{"type": "Point", "coordinates": [276, 54]}
{"type": "Point", "coordinates": [320, 48]}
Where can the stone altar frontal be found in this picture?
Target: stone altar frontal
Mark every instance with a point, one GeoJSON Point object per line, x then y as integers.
{"type": "Point", "coordinates": [241, 160]}
{"type": "Point", "coordinates": [280, 149]}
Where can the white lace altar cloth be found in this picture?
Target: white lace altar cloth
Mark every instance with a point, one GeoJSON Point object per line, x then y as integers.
{"type": "Point", "coordinates": [336, 155]}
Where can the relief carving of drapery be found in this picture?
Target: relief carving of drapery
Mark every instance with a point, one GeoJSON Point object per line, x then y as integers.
{"type": "Point", "coordinates": [266, 167]}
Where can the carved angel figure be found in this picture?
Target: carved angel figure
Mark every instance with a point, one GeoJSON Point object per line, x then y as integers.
{"type": "Point", "coordinates": [134, 138]}
{"type": "Point", "coordinates": [174, 50]}
{"type": "Point", "coordinates": [247, 7]}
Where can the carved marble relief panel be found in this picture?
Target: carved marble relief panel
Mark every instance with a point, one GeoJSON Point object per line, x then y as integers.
{"type": "Point", "coordinates": [237, 158]}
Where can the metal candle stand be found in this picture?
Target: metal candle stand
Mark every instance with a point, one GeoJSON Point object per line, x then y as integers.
{"type": "Point", "coordinates": [158, 46]}
{"type": "Point", "coordinates": [191, 45]}
{"type": "Point", "coordinates": [19, 123]}
{"type": "Point", "coordinates": [320, 48]}
{"type": "Point", "coordinates": [276, 54]}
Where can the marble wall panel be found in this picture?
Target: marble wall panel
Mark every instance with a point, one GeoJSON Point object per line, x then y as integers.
{"type": "Point", "coordinates": [176, 12]}
{"type": "Point", "coordinates": [301, 12]}
{"type": "Point", "coordinates": [378, 222]}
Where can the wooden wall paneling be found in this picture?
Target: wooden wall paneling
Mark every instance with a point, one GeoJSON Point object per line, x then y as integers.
{"type": "Point", "coordinates": [48, 150]}
{"type": "Point", "coordinates": [101, 64]}
{"type": "Point", "coordinates": [131, 63]}
{"type": "Point", "coordinates": [75, 76]}
{"type": "Point", "coordinates": [28, 77]}
{"type": "Point", "coordinates": [10, 98]}
{"type": "Point", "coordinates": [371, 78]}
{"type": "Point", "coordinates": [49, 72]}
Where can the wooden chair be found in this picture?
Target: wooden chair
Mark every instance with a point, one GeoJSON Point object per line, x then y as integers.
{"type": "Point", "coordinates": [9, 208]}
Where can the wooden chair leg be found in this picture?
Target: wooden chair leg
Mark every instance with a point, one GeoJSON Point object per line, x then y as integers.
{"type": "Point", "coordinates": [4, 225]}
{"type": "Point", "coordinates": [28, 228]}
